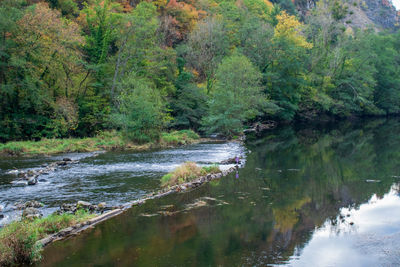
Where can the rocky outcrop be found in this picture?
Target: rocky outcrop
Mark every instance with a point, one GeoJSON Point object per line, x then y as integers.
{"type": "Point", "coordinates": [380, 14]}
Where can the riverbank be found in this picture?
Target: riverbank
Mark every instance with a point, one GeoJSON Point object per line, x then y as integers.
{"type": "Point", "coordinates": [108, 141]}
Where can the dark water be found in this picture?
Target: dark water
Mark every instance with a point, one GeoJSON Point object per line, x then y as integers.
{"type": "Point", "coordinates": [115, 178]}
{"type": "Point", "coordinates": [301, 200]}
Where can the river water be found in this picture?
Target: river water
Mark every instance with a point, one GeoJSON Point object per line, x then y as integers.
{"type": "Point", "coordinates": [307, 196]}
{"type": "Point", "coordinates": [113, 177]}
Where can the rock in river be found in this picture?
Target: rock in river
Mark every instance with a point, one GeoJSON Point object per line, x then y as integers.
{"type": "Point", "coordinates": [28, 204]}
{"type": "Point", "coordinates": [84, 205]}
{"type": "Point", "coordinates": [33, 180]}
{"type": "Point", "coordinates": [31, 213]}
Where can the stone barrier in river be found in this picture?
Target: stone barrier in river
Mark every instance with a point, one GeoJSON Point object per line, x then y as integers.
{"type": "Point", "coordinates": [73, 230]}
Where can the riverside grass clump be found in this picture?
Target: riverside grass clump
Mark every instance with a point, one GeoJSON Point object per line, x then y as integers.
{"type": "Point", "coordinates": [18, 240]}
{"type": "Point", "coordinates": [108, 140]}
{"type": "Point", "coordinates": [186, 173]}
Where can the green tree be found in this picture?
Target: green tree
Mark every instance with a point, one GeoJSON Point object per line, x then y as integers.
{"type": "Point", "coordinates": [387, 64]}
{"type": "Point", "coordinates": [207, 45]}
{"type": "Point", "coordinates": [141, 112]}
{"type": "Point", "coordinates": [237, 97]}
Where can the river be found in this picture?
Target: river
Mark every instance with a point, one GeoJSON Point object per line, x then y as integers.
{"type": "Point", "coordinates": [307, 196]}
{"type": "Point", "coordinates": [112, 177]}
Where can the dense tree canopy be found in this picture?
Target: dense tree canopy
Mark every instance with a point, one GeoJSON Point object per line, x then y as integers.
{"type": "Point", "coordinates": [76, 67]}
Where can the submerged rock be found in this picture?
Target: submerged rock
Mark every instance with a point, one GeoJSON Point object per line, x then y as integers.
{"type": "Point", "coordinates": [373, 181]}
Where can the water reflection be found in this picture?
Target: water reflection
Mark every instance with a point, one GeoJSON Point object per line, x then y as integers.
{"type": "Point", "coordinates": [365, 236]}
{"type": "Point", "coordinates": [289, 207]}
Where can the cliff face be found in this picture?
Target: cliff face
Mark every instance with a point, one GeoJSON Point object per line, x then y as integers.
{"type": "Point", "coordinates": [380, 14]}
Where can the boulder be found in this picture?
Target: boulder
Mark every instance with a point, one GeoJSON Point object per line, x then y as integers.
{"type": "Point", "coordinates": [84, 205]}
{"type": "Point", "coordinates": [31, 213]}
{"type": "Point", "coordinates": [67, 159]}
{"type": "Point", "coordinates": [33, 180]}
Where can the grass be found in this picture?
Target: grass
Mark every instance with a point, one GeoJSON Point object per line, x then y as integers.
{"type": "Point", "coordinates": [18, 240]}
{"type": "Point", "coordinates": [186, 173]}
{"type": "Point", "coordinates": [111, 140]}
{"type": "Point", "coordinates": [182, 137]}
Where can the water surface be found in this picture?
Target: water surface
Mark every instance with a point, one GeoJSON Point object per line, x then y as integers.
{"type": "Point", "coordinates": [301, 200]}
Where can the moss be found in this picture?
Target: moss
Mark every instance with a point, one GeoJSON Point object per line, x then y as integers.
{"type": "Point", "coordinates": [18, 240]}
{"type": "Point", "coordinates": [186, 173]}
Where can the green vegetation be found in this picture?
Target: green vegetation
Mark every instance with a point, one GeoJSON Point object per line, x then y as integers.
{"type": "Point", "coordinates": [72, 68]}
{"type": "Point", "coordinates": [105, 141]}
{"type": "Point", "coordinates": [186, 173]}
{"type": "Point", "coordinates": [18, 240]}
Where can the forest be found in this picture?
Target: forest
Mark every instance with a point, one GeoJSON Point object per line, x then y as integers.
{"type": "Point", "coordinates": [76, 68]}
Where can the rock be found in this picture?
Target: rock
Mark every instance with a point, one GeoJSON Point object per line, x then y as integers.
{"type": "Point", "coordinates": [67, 208]}
{"type": "Point", "coordinates": [1, 216]}
{"type": "Point", "coordinates": [62, 163]}
{"type": "Point", "coordinates": [28, 204]}
{"type": "Point", "coordinates": [84, 205]}
{"type": "Point", "coordinates": [232, 161]}
{"type": "Point", "coordinates": [67, 159]}
{"type": "Point", "coordinates": [1, 208]}
{"type": "Point", "coordinates": [102, 206]}
{"type": "Point", "coordinates": [33, 180]}
{"type": "Point", "coordinates": [31, 213]}
{"type": "Point", "coordinates": [15, 172]}
{"type": "Point", "coordinates": [42, 180]}
{"type": "Point", "coordinates": [351, 223]}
